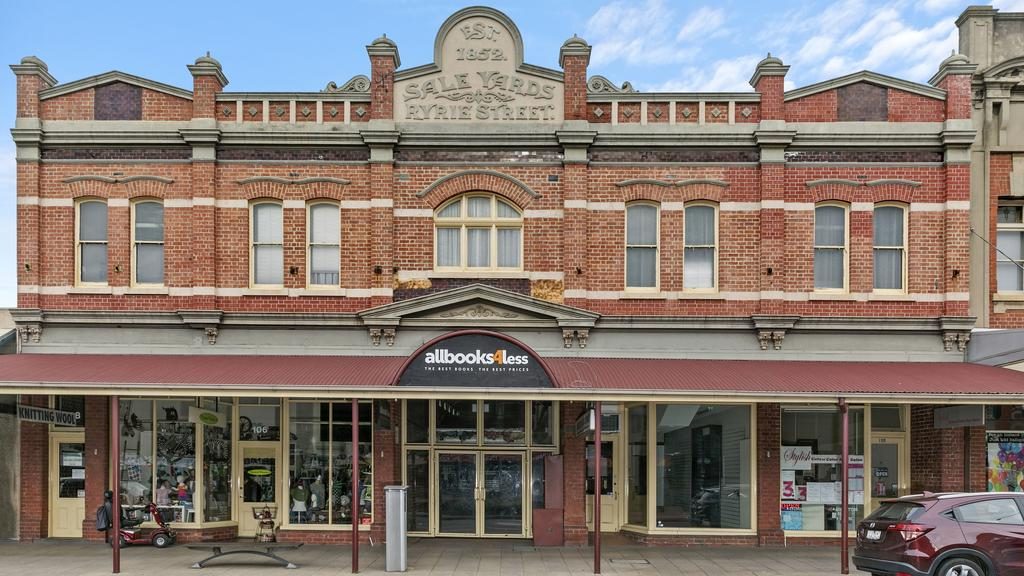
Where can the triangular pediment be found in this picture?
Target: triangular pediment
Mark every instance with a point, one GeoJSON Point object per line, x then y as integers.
{"type": "Point", "coordinates": [871, 78]}
{"type": "Point", "coordinates": [113, 76]}
{"type": "Point", "coordinates": [478, 305]}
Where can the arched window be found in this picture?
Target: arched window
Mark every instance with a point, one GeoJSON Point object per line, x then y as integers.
{"type": "Point", "coordinates": [478, 232]}
{"type": "Point", "coordinates": [700, 251]}
{"type": "Point", "coordinates": [323, 233]}
{"type": "Point", "coordinates": [147, 242]}
{"type": "Point", "coordinates": [266, 256]}
{"type": "Point", "coordinates": [642, 245]}
{"type": "Point", "coordinates": [831, 253]}
{"type": "Point", "coordinates": [890, 247]}
{"type": "Point", "coordinates": [91, 242]}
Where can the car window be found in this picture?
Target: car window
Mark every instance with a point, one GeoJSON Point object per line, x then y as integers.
{"type": "Point", "coordinates": [896, 511]}
{"type": "Point", "coordinates": [999, 511]}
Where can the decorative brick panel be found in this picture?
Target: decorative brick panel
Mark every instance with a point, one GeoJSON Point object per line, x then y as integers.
{"type": "Point", "coordinates": [862, 102]}
{"type": "Point", "coordinates": [294, 154]}
{"type": "Point", "coordinates": [118, 101]}
{"type": "Point", "coordinates": [119, 153]}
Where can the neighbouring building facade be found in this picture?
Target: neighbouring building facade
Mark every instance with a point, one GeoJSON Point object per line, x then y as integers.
{"type": "Point", "coordinates": [476, 250]}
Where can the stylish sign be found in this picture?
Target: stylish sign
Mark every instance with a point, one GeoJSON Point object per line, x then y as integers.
{"type": "Point", "coordinates": [478, 76]}
{"type": "Point", "coordinates": [48, 416]}
{"type": "Point", "coordinates": [476, 360]}
{"type": "Point", "coordinates": [796, 457]}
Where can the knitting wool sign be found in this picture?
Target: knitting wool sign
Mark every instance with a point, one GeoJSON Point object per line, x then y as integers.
{"type": "Point", "coordinates": [478, 77]}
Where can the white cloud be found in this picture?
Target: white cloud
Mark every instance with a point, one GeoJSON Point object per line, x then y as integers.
{"type": "Point", "coordinates": [705, 22]}
{"type": "Point", "coordinates": [650, 33]}
{"type": "Point", "coordinates": [731, 75]}
{"type": "Point", "coordinates": [1009, 5]}
{"type": "Point", "coordinates": [939, 5]}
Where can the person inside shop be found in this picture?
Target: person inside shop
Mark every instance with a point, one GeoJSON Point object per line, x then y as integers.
{"type": "Point", "coordinates": [163, 494]}
{"type": "Point", "coordinates": [252, 490]}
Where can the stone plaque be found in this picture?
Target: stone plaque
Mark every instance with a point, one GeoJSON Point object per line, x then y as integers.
{"type": "Point", "coordinates": [478, 76]}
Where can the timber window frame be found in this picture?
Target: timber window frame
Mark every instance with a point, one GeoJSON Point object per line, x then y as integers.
{"type": "Point", "coordinates": [91, 242]}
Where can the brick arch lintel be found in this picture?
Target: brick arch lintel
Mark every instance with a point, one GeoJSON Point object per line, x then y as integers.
{"type": "Point", "coordinates": [662, 190]}
{"type": "Point", "coordinates": [108, 187]}
{"type": "Point", "coordinates": [452, 185]}
{"type": "Point", "coordinates": [302, 188]}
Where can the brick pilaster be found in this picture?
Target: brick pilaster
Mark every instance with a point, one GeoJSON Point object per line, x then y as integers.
{"type": "Point", "coordinates": [97, 465]}
{"type": "Point", "coordinates": [207, 81]}
{"type": "Point", "coordinates": [769, 81]}
{"type": "Point", "coordinates": [769, 441]}
{"type": "Point", "coordinates": [381, 198]}
{"type": "Point", "coordinates": [35, 473]}
{"type": "Point", "coordinates": [384, 61]}
{"type": "Point", "coordinates": [574, 58]}
{"type": "Point", "coordinates": [203, 224]}
{"type": "Point", "coordinates": [574, 512]}
{"type": "Point", "coordinates": [575, 183]}
{"type": "Point", "coordinates": [33, 77]}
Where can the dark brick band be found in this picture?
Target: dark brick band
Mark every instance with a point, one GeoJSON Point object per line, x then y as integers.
{"type": "Point", "coordinates": [294, 154]}
{"type": "Point", "coordinates": [505, 156]}
{"type": "Point", "coordinates": [900, 156]}
{"type": "Point", "coordinates": [674, 155]}
{"type": "Point", "coordinates": [117, 153]}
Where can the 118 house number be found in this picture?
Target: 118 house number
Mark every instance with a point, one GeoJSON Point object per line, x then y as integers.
{"type": "Point", "coordinates": [479, 54]}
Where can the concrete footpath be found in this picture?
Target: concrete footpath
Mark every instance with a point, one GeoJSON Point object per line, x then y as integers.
{"type": "Point", "coordinates": [427, 557]}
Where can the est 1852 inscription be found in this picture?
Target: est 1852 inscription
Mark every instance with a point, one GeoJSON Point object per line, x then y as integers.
{"type": "Point", "coordinates": [479, 80]}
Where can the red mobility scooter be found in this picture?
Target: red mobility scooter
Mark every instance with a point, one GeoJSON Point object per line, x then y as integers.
{"type": "Point", "coordinates": [131, 534]}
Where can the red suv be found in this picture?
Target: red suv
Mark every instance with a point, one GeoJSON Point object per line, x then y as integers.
{"type": "Point", "coordinates": [944, 535]}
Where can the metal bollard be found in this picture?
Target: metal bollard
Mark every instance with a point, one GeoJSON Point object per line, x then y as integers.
{"type": "Point", "coordinates": [395, 548]}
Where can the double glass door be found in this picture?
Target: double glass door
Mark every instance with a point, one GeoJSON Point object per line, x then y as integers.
{"type": "Point", "coordinates": [480, 494]}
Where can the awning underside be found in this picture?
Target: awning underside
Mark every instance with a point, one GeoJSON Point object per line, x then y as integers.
{"type": "Point", "coordinates": [685, 376]}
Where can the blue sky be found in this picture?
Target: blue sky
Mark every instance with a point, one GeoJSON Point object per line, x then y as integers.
{"type": "Point", "coordinates": [272, 46]}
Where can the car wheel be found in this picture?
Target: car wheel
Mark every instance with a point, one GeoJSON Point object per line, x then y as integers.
{"type": "Point", "coordinates": [161, 541]}
{"type": "Point", "coordinates": [960, 567]}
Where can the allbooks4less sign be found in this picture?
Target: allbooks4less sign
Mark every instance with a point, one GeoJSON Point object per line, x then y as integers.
{"type": "Point", "coordinates": [475, 360]}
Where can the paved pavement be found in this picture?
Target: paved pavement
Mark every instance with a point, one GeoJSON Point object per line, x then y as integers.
{"type": "Point", "coordinates": [427, 557]}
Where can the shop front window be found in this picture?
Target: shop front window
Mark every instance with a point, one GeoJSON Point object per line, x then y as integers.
{"type": "Point", "coordinates": [543, 423]}
{"type": "Point", "coordinates": [637, 465]}
{"type": "Point", "coordinates": [136, 424]}
{"type": "Point", "coordinates": [216, 459]}
{"type": "Point", "coordinates": [703, 469]}
{"type": "Point", "coordinates": [504, 422]}
{"type": "Point", "coordinates": [1004, 442]}
{"type": "Point", "coordinates": [320, 460]}
{"type": "Point", "coordinates": [456, 421]}
{"type": "Point", "coordinates": [259, 419]}
{"type": "Point", "coordinates": [811, 476]}
{"type": "Point", "coordinates": [176, 455]}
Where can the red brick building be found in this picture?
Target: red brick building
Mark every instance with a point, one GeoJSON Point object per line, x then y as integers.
{"type": "Point", "coordinates": [477, 249]}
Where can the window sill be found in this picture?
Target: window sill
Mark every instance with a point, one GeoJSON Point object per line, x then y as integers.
{"type": "Point", "coordinates": [317, 291]}
{"type": "Point", "coordinates": [91, 290]}
{"type": "Point", "coordinates": [148, 291]}
{"type": "Point", "coordinates": [701, 295]}
{"type": "Point", "coordinates": [839, 296]}
{"type": "Point", "coordinates": [265, 292]}
{"type": "Point", "coordinates": [643, 295]}
{"type": "Point", "coordinates": [1008, 297]}
{"type": "Point", "coordinates": [478, 274]}
{"type": "Point", "coordinates": [890, 296]}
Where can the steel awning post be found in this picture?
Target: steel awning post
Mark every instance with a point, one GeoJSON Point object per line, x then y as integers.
{"type": "Point", "coordinates": [844, 506]}
{"type": "Point", "coordinates": [115, 501]}
{"type": "Point", "coordinates": [597, 487]}
{"type": "Point", "coordinates": [355, 486]}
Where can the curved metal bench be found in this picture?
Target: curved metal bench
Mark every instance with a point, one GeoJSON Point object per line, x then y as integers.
{"type": "Point", "coordinates": [265, 549]}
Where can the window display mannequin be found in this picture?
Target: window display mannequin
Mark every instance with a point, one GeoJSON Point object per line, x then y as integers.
{"type": "Point", "coordinates": [318, 493]}
{"type": "Point", "coordinates": [299, 498]}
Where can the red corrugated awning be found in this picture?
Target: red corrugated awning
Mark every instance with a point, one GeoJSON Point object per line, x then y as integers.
{"type": "Point", "coordinates": [633, 375]}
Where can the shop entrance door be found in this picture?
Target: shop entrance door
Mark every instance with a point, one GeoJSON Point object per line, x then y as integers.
{"type": "Point", "coordinates": [608, 486]}
{"type": "Point", "coordinates": [888, 473]}
{"type": "Point", "coordinates": [480, 494]}
{"type": "Point", "coordinates": [258, 484]}
{"type": "Point", "coordinates": [67, 484]}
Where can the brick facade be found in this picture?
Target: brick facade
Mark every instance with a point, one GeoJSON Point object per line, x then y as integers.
{"type": "Point", "coordinates": [219, 152]}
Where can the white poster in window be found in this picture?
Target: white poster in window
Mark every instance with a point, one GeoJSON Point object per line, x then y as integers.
{"type": "Point", "coordinates": [78, 473]}
{"type": "Point", "coordinates": [796, 457]}
{"type": "Point", "coordinates": [71, 459]}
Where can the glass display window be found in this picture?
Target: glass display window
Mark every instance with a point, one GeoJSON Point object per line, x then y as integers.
{"type": "Point", "coordinates": [811, 475]}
